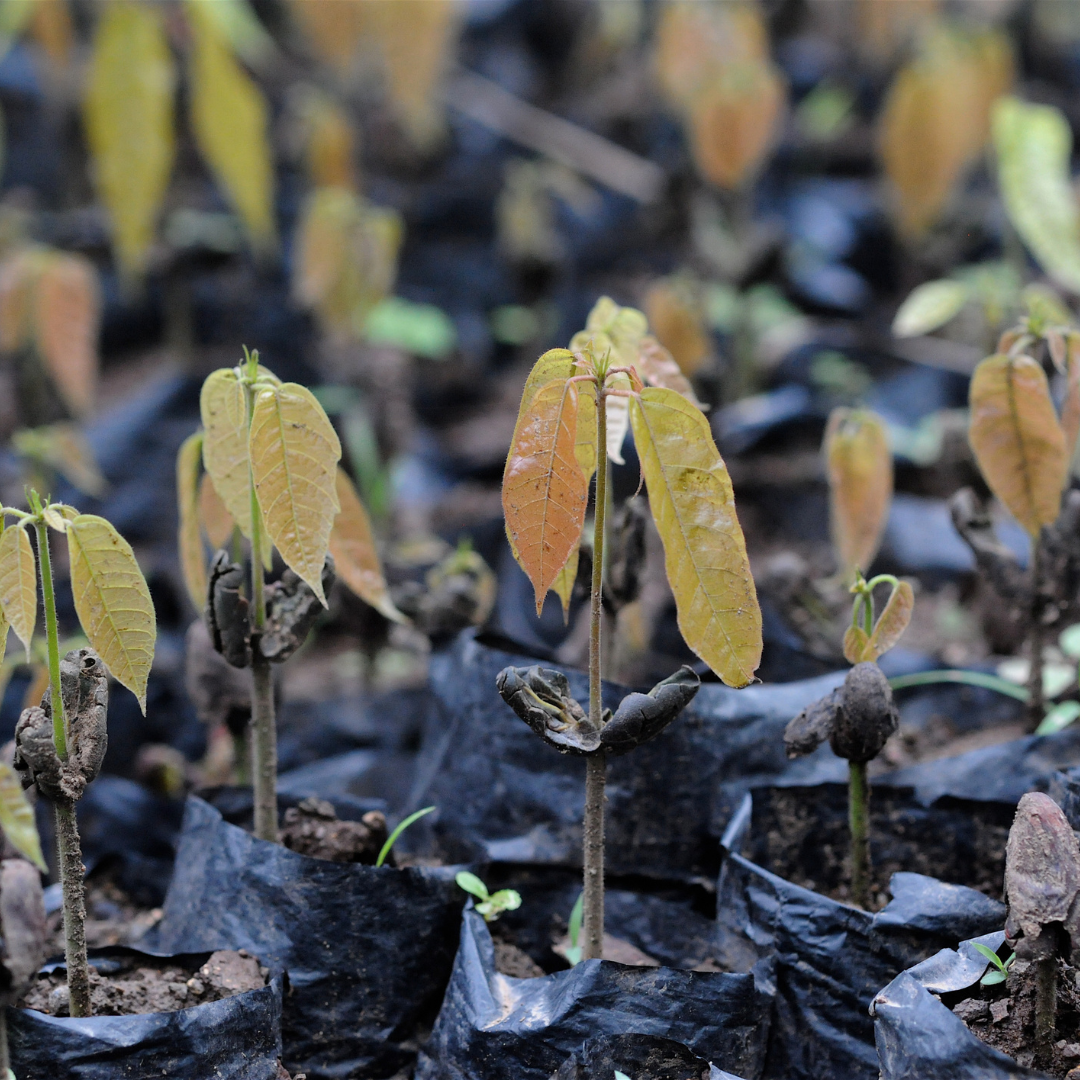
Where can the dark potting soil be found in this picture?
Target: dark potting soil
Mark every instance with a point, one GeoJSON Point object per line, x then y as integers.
{"type": "Point", "coordinates": [801, 834]}
{"type": "Point", "coordinates": [313, 828]}
{"type": "Point", "coordinates": [112, 917]}
{"type": "Point", "coordinates": [1003, 1016]}
{"type": "Point", "coordinates": [124, 987]}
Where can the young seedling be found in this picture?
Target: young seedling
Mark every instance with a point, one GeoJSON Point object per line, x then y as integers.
{"type": "Point", "coordinates": [392, 839]}
{"type": "Point", "coordinates": [1000, 968]}
{"type": "Point", "coordinates": [271, 456]}
{"type": "Point", "coordinates": [60, 746]}
{"type": "Point", "coordinates": [573, 932]}
{"type": "Point", "coordinates": [491, 905]}
{"type": "Point", "coordinates": [1042, 890]}
{"type": "Point", "coordinates": [575, 410]}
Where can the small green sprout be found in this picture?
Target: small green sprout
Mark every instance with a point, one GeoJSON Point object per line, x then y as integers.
{"type": "Point", "coordinates": [1000, 970]}
{"type": "Point", "coordinates": [621, 1075]}
{"type": "Point", "coordinates": [573, 930]}
{"type": "Point", "coordinates": [392, 838]}
{"type": "Point", "coordinates": [491, 905]}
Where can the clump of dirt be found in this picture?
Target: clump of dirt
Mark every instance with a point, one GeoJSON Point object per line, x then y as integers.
{"type": "Point", "coordinates": [1003, 1016]}
{"type": "Point", "coordinates": [132, 985]}
{"type": "Point", "coordinates": [515, 962]}
{"type": "Point", "coordinates": [312, 828]}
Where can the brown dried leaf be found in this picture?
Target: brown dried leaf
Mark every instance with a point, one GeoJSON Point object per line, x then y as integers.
{"type": "Point", "coordinates": [544, 490]}
{"type": "Point", "coordinates": [1017, 439]}
{"type": "Point", "coordinates": [859, 465]}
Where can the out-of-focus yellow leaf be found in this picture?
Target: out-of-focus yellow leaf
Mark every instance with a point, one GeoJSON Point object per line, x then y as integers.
{"type": "Point", "coordinates": [240, 26]}
{"type": "Point", "coordinates": [128, 113]}
{"type": "Point", "coordinates": [1017, 439]}
{"type": "Point", "coordinates": [62, 447]}
{"type": "Point", "coordinates": [112, 601]}
{"type": "Point", "coordinates": [330, 142]}
{"type": "Point", "coordinates": [294, 454]}
{"type": "Point", "coordinates": [544, 491]}
{"type": "Point", "coordinates": [416, 40]}
{"type": "Point", "coordinates": [1034, 146]}
{"type": "Point", "coordinates": [188, 540]}
{"type": "Point", "coordinates": [215, 518]}
{"type": "Point", "coordinates": [929, 306]}
{"type": "Point", "coordinates": [51, 29]}
{"type": "Point", "coordinates": [67, 314]}
{"type": "Point", "coordinates": [693, 505]}
{"type": "Point", "coordinates": [225, 443]}
{"type": "Point", "coordinates": [859, 465]}
{"type": "Point", "coordinates": [17, 817]}
{"type": "Point", "coordinates": [679, 325]}
{"type": "Point", "coordinates": [356, 558]}
{"type": "Point", "coordinates": [334, 28]}
{"type": "Point", "coordinates": [657, 367]}
{"type": "Point", "coordinates": [18, 584]}
{"type": "Point", "coordinates": [229, 117]}
{"type": "Point", "coordinates": [18, 273]}
{"type": "Point", "coordinates": [347, 258]}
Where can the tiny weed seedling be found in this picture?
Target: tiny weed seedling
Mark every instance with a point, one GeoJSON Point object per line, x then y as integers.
{"type": "Point", "coordinates": [491, 905]}
{"type": "Point", "coordinates": [576, 409]}
{"type": "Point", "coordinates": [392, 839]}
{"type": "Point", "coordinates": [59, 746]}
{"type": "Point", "coordinates": [1000, 970]}
{"type": "Point", "coordinates": [573, 932]}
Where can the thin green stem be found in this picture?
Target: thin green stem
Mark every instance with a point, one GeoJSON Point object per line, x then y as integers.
{"type": "Point", "coordinates": [858, 822]}
{"type": "Point", "coordinates": [52, 637]}
{"type": "Point", "coordinates": [967, 678]}
{"type": "Point", "coordinates": [596, 763]}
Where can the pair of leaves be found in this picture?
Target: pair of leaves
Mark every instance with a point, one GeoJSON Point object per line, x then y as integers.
{"type": "Point", "coordinates": [859, 465]}
{"type": "Point", "coordinates": [887, 631]}
{"type": "Point", "coordinates": [1017, 439]}
{"type": "Point", "coordinates": [51, 301]}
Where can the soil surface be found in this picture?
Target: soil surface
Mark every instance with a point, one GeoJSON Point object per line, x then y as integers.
{"type": "Point", "coordinates": [129, 986]}
{"type": "Point", "coordinates": [1003, 1016]}
{"type": "Point", "coordinates": [112, 918]}
{"type": "Point", "coordinates": [312, 828]}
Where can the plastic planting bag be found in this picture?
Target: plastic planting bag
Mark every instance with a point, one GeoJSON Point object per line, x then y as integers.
{"type": "Point", "coordinates": [368, 950]}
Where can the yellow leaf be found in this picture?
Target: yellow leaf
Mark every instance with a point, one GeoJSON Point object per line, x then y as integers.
{"type": "Point", "coordinates": [216, 520]}
{"type": "Point", "coordinates": [17, 817]}
{"type": "Point", "coordinates": [1017, 440]}
{"type": "Point", "coordinates": [225, 443]}
{"type": "Point", "coordinates": [564, 582]}
{"type": "Point", "coordinates": [67, 314]}
{"type": "Point", "coordinates": [544, 491]}
{"type": "Point", "coordinates": [356, 559]}
{"type": "Point", "coordinates": [892, 622]}
{"type": "Point", "coordinates": [18, 584]}
{"type": "Point", "coordinates": [678, 323]}
{"type": "Point", "coordinates": [331, 149]}
{"type": "Point", "coordinates": [693, 505]}
{"type": "Point", "coordinates": [294, 454]}
{"type": "Point", "coordinates": [129, 125]}
{"type": "Point", "coordinates": [229, 117]}
{"type": "Point", "coordinates": [189, 541]}
{"type": "Point", "coordinates": [112, 601]}
{"type": "Point", "coordinates": [1070, 406]}
{"type": "Point", "coordinates": [58, 515]}
{"type": "Point", "coordinates": [335, 29]}
{"type": "Point", "coordinates": [855, 643]}
{"type": "Point", "coordinates": [859, 466]}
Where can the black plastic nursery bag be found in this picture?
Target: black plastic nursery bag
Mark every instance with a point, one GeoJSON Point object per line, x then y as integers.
{"type": "Point", "coordinates": [642, 1057]}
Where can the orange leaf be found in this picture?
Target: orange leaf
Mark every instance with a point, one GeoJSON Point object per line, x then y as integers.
{"type": "Point", "coordinates": [544, 489]}
{"type": "Point", "coordinates": [657, 367]}
{"type": "Point", "coordinates": [67, 313]}
{"type": "Point", "coordinates": [335, 29]}
{"type": "Point", "coordinates": [678, 325]}
{"type": "Point", "coordinates": [859, 465]}
{"type": "Point", "coordinates": [356, 559]}
{"type": "Point", "coordinates": [1017, 439]}
{"type": "Point", "coordinates": [892, 622]}
{"type": "Point", "coordinates": [214, 516]}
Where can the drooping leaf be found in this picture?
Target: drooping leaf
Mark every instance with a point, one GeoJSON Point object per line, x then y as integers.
{"type": "Point", "coordinates": [544, 491]}
{"type": "Point", "coordinates": [18, 584]}
{"type": "Point", "coordinates": [892, 622]}
{"type": "Point", "coordinates": [215, 519]}
{"type": "Point", "coordinates": [225, 443]}
{"type": "Point", "coordinates": [229, 117]}
{"type": "Point", "coordinates": [1034, 146]}
{"type": "Point", "coordinates": [335, 29]}
{"type": "Point", "coordinates": [1017, 439]}
{"type": "Point", "coordinates": [356, 558]}
{"type": "Point", "coordinates": [928, 307]}
{"type": "Point", "coordinates": [294, 454]}
{"type": "Point", "coordinates": [129, 125]}
{"type": "Point", "coordinates": [112, 601]}
{"type": "Point", "coordinates": [693, 505]}
{"type": "Point", "coordinates": [859, 465]}
{"type": "Point", "coordinates": [17, 817]}
{"type": "Point", "coordinates": [189, 540]}
{"type": "Point", "coordinates": [67, 314]}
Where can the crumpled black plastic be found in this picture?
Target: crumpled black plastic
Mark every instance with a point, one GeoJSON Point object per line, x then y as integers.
{"type": "Point", "coordinates": [492, 1027]}
{"type": "Point", "coordinates": [237, 1038]}
{"type": "Point", "coordinates": [832, 958]}
{"type": "Point", "coordinates": [503, 796]}
{"type": "Point", "coordinates": [643, 1057]}
{"type": "Point", "coordinates": [918, 1036]}
{"type": "Point", "coordinates": [368, 950]}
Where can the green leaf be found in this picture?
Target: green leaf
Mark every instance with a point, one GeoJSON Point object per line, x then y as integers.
{"type": "Point", "coordinates": [693, 505]}
{"type": "Point", "coordinates": [1058, 718]}
{"type": "Point", "coordinates": [112, 601]}
{"type": "Point", "coordinates": [1069, 641]}
{"type": "Point", "coordinates": [929, 307]}
{"type": "Point", "coordinates": [17, 816]}
{"type": "Point", "coordinates": [391, 840]}
{"type": "Point", "coordinates": [573, 931]}
{"type": "Point", "coordinates": [18, 584]}
{"type": "Point", "coordinates": [421, 329]}
{"type": "Point", "coordinates": [1034, 145]}
{"type": "Point", "coordinates": [989, 954]}
{"type": "Point", "coordinates": [294, 453]}
{"type": "Point", "coordinates": [472, 884]}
